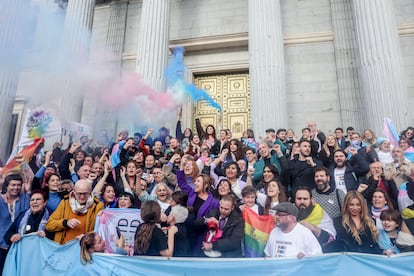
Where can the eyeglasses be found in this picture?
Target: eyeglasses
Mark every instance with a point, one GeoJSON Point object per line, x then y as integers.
{"type": "Point", "coordinates": [282, 214]}
{"type": "Point", "coordinates": [60, 189]}
{"type": "Point", "coordinates": [82, 194]}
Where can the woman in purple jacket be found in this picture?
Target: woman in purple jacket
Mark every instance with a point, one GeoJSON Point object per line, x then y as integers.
{"type": "Point", "coordinates": [200, 203]}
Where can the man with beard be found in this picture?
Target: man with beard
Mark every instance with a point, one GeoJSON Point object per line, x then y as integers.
{"type": "Point", "coordinates": [307, 135]}
{"type": "Point", "coordinates": [290, 238]}
{"type": "Point", "coordinates": [300, 170]}
{"type": "Point", "coordinates": [312, 216]}
{"type": "Point", "coordinates": [229, 223]}
{"type": "Point", "coordinates": [327, 196]}
{"type": "Point", "coordinates": [345, 174]}
{"type": "Point", "coordinates": [157, 150]}
{"type": "Point", "coordinates": [174, 148]}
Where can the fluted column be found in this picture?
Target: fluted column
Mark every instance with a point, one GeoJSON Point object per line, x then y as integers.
{"type": "Point", "coordinates": [96, 114]}
{"type": "Point", "coordinates": [46, 36]}
{"type": "Point", "coordinates": [76, 43]}
{"type": "Point", "coordinates": [12, 37]}
{"type": "Point", "coordinates": [267, 66]}
{"type": "Point", "coordinates": [153, 38]}
{"type": "Point", "coordinates": [380, 65]}
{"type": "Point", "coordinates": [346, 57]}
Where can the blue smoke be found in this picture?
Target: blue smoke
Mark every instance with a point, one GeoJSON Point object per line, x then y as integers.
{"type": "Point", "coordinates": [175, 81]}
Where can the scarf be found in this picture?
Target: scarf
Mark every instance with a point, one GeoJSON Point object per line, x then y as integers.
{"type": "Point", "coordinates": [23, 223]}
{"type": "Point", "coordinates": [78, 208]}
{"type": "Point", "coordinates": [384, 241]}
{"type": "Point", "coordinates": [377, 212]}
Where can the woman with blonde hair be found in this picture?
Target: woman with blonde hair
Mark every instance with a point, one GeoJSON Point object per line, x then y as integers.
{"type": "Point", "coordinates": [355, 229]}
{"type": "Point", "coordinates": [329, 147]}
{"type": "Point", "coordinates": [369, 138]}
{"type": "Point", "coordinates": [89, 243]}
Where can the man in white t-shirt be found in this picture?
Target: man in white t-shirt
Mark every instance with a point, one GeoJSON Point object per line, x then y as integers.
{"type": "Point", "coordinates": [289, 238]}
{"type": "Point", "coordinates": [345, 174]}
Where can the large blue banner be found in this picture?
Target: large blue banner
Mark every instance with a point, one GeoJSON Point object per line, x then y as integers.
{"type": "Point", "coordinates": [38, 256]}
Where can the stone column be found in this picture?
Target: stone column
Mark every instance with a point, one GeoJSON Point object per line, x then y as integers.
{"type": "Point", "coordinates": [267, 66]}
{"type": "Point", "coordinates": [76, 43]}
{"type": "Point", "coordinates": [46, 36]}
{"type": "Point", "coordinates": [380, 66]}
{"type": "Point", "coordinates": [346, 57]}
{"type": "Point", "coordinates": [13, 25]}
{"type": "Point", "coordinates": [95, 114]}
{"type": "Point", "coordinates": [153, 39]}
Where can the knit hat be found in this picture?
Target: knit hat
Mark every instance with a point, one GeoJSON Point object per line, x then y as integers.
{"type": "Point", "coordinates": [380, 140]}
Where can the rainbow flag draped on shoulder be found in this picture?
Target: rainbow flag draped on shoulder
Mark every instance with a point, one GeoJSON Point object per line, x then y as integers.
{"type": "Point", "coordinates": [257, 229]}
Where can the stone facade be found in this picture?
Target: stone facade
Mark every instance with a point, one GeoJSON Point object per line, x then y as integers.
{"type": "Point", "coordinates": [323, 80]}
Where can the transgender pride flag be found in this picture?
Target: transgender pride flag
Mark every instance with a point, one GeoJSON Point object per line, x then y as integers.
{"type": "Point", "coordinates": [390, 133]}
{"type": "Point", "coordinates": [257, 229]}
{"type": "Point", "coordinates": [409, 154]}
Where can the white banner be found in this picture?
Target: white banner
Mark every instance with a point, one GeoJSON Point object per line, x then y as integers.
{"type": "Point", "coordinates": [126, 220]}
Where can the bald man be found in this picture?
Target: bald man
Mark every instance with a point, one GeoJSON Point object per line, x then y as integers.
{"type": "Point", "coordinates": [75, 215]}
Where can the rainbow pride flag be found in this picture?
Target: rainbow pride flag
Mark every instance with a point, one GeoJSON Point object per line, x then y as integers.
{"type": "Point", "coordinates": [257, 229]}
{"type": "Point", "coordinates": [25, 155]}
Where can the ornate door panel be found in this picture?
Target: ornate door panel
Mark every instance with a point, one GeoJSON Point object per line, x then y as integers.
{"type": "Point", "coordinates": [232, 92]}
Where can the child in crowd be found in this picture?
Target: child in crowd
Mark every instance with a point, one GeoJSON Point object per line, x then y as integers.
{"type": "Point", "coordinates": [391, 220]}
{"type": "Point", "coordinates": [249, 199]}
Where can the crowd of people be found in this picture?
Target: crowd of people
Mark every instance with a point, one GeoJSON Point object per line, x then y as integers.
{"type": "Point", "coordinates": [346, 191]}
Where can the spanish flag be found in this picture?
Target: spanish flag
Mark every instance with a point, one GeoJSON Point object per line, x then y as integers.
{"type": "Point", "coordinates": [256, 232]}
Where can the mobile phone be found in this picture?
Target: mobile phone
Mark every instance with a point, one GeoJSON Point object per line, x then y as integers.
{"type": "Point", "coordinates": [118, 232]}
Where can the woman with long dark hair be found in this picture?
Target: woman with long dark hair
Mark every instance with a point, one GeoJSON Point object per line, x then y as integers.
{"type": "Point", "coordinates": [270, 173]}
{"type": "Point", "coordinates": [274, 195]}
{"type": "Point", "coordinates": [150, 240]}
{"type": "Point", "coordinates": [208, 136]}
{"type": "Point", "coordinates": [231, 173]}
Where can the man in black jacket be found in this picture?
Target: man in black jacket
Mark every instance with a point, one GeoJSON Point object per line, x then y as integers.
{"type": "Point", "coordinates": [300, 170]}
{"type": "Point", "coordinates": [230, 222]}
{"type": "Point", "coordinates": [345, 174]}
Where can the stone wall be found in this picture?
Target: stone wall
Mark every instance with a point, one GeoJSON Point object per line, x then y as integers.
{"type": "Point", "coordinates": [311, 63]}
